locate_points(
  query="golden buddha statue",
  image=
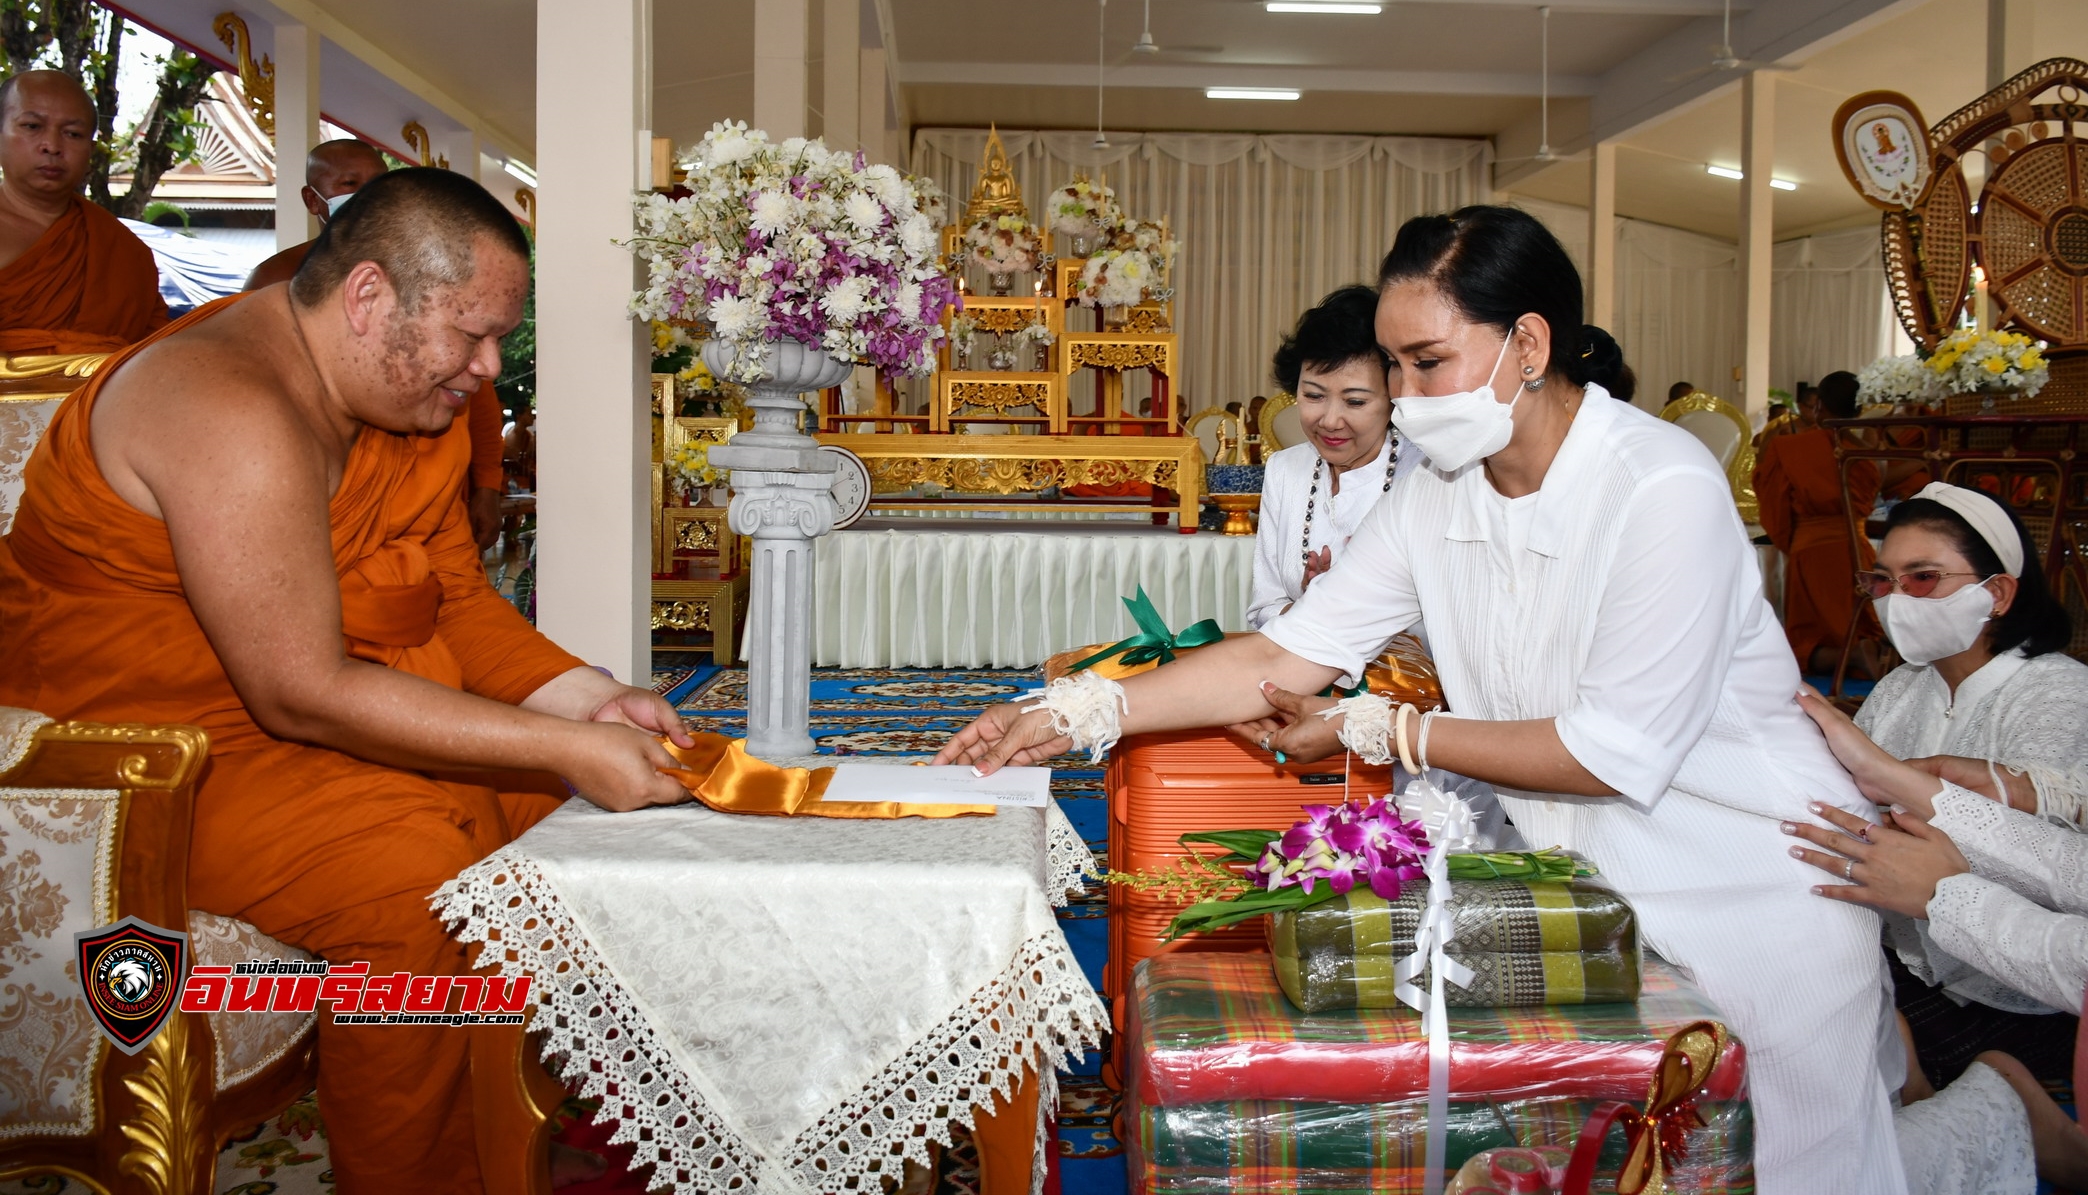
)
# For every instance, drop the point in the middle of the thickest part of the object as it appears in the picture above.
(996, 193)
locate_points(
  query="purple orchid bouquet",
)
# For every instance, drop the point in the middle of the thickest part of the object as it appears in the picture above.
(794, 241)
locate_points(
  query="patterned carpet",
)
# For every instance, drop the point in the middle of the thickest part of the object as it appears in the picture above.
(876, 711)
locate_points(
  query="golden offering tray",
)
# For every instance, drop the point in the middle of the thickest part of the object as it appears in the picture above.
(1025, 464)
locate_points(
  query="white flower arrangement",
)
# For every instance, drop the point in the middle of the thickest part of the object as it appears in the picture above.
(795, 242)
(1904, 379)
(1969, 361)
(1136, 261)
(934, 201)
(1005, 244)
(1083, 209)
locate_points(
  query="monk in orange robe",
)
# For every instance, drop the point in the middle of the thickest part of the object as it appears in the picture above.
(1799, 485)
(73, 279)
(334, 170)
(253, 523)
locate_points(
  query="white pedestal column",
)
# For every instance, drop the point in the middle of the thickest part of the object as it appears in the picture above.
(1757, 234)
(781, 496)
(594, 385)
(296, 129)
(1602, 235)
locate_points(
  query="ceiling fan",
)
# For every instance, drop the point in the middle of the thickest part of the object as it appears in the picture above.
(1724, 59)
(1545, 153)
(1146, 46)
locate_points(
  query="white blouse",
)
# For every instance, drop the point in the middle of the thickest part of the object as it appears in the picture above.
(2021, 914)
(2024, 713)
(1279, 564)
(1623, 601)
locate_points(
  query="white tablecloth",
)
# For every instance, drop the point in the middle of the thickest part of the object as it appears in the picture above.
(937, 596)
(789, 1003)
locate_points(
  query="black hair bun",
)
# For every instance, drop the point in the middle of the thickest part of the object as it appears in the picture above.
(1600, 360)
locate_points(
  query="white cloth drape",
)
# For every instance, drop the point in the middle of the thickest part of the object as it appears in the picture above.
(1011, 599)
(1678, 303)
(1268, 224)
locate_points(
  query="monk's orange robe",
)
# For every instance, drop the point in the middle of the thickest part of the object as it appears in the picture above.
(88, 285)
(1799, 485)
(484, 421)
(315, 847)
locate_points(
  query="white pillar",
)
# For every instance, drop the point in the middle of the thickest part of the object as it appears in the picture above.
(870, 106)
(1602, 235)
(842, 24)
(296, 129)
(594, 564)
(2010, 27)
(1757, 235)
(781, 77)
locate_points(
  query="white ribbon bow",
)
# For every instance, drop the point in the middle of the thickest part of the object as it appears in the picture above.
(1451, 827)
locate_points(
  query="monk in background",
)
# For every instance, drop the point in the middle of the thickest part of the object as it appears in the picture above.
(252, 523)
(335, 170)
(1799, 485)
(73, 279)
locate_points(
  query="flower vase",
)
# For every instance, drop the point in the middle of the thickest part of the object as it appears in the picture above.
(1082, 245)
(1001, 283)
(1000, 360)
(1114, 318)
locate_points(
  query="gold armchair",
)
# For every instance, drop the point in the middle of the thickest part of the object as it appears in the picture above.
(94, 827)
(1723, 429)
(31, 387)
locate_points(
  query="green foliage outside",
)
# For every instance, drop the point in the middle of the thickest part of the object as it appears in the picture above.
(517, 383)
(85, 41)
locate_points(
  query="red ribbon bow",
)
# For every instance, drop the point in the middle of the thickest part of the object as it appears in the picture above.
(1657, 1138)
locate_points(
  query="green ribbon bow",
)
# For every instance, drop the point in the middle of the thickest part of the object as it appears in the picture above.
(1153, 641)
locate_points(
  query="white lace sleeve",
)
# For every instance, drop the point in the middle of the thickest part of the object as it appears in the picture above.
(2047, 864)
(2039, 953)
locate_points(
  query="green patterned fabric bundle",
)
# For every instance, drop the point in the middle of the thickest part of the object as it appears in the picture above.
(1529, 942)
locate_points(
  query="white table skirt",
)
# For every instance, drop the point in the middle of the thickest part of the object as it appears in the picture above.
(937, 597)
(789, 1005)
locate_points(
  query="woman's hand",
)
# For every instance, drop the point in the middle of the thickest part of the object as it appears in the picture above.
(1879, 776)
(1973, 774)
(1315, 564)
(1304, 736)
(1894, 865)
(1004, 735)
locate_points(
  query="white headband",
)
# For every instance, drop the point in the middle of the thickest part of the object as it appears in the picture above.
(1986, 516)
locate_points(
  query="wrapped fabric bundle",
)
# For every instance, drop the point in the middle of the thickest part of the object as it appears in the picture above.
(1529, 942)
(1231, 1089)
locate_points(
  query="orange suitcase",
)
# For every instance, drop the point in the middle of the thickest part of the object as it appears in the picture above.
(1162, 786)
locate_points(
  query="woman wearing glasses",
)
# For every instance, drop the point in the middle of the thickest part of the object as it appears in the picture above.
(1612, 669)
(1988, 700)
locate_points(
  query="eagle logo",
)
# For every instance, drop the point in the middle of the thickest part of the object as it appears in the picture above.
(129, 973)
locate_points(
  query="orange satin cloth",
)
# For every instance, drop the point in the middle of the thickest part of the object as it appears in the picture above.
(88, 285)
(720, 773)
(320, 849)
(485, 421)
(1798, 484)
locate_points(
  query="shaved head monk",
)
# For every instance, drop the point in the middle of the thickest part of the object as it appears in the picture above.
(334, 171)
(73, 279)
(252, 523)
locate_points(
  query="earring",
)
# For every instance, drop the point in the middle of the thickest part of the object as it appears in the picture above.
(1528, 370)
(1535, 384)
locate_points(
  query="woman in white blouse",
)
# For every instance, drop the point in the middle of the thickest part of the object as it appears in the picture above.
(1314, 494)
(1987, 699)
(2001, 889)
(1613, 670)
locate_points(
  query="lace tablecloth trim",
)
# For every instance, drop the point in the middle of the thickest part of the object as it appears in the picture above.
(1038, 1012)
(1069, 857)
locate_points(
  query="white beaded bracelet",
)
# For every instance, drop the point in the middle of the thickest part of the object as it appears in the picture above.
(1366, 727)
(1084, 707)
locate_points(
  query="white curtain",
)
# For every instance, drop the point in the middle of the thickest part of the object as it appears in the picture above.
(1678, 303)
(1268, 224)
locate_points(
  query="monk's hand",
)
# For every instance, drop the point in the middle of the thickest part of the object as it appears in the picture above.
(2016, 789)
(484, 509)
(1892, 865)
(643, 709)
(1001, 736)
(621, 768)
(1879, 776)
(1305, 735)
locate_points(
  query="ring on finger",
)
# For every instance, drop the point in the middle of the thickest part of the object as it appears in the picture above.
(1265, 741)
(1863, 832)
(1849, 870)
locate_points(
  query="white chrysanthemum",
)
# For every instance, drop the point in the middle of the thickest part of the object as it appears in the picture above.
(732, 316)
(729, 142)
(865, 212)
(908, 300)
(845, 301)
(774, 211)
(917, 235)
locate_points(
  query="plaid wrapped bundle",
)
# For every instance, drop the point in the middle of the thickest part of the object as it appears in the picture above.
(1529, 942)
(1231, 1088)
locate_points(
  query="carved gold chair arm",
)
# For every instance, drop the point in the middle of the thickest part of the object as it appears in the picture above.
(127, 756)
(46, 375)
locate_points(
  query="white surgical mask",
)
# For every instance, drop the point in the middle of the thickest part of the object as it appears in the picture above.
(333, 206)
(1454, 430)
(1929, 629)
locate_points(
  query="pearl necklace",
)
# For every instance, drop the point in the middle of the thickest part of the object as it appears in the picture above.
(1319, 467)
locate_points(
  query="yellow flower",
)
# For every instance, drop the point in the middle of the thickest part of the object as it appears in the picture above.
(1997, 365)
(2031, 359)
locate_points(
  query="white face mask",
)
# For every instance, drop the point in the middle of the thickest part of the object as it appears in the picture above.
(1929, 629)
(333, 206)
(1454, 430)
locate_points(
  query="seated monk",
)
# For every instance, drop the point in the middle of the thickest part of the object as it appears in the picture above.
(252, 523)
(334, 170)
(73, 279)
(1799, 485)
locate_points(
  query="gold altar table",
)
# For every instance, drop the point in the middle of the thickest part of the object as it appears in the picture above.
(1025, 464)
